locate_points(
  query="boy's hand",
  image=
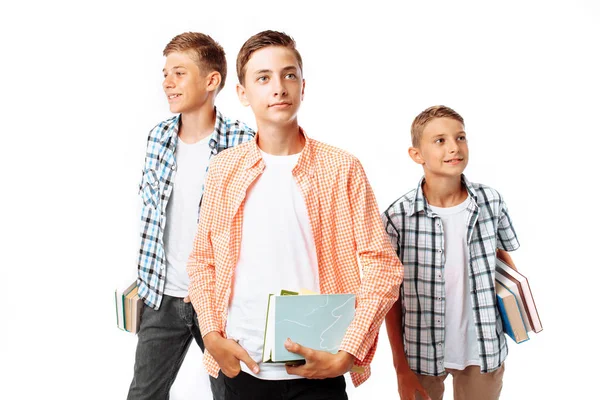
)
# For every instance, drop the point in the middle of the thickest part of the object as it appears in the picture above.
(409, 386)
(319, 364)
(228, 354)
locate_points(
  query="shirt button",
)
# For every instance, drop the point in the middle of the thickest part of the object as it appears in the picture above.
(439, 298)
(440, 250)
(173, 166)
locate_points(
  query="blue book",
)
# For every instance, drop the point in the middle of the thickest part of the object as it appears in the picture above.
(317, 321)
(512, 319)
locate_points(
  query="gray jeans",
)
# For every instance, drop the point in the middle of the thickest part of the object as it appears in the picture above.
(163, 341)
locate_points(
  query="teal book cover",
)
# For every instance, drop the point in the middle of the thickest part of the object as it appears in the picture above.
(315, 321)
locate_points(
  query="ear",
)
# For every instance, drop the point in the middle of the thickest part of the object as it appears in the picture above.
(303, 85)
(241, 92)
(213, 81)
(415, 154)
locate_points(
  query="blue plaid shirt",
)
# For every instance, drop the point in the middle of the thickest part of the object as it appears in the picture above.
(417, 235)
(155, 189)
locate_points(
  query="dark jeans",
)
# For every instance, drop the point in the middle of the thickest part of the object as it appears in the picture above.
(163, 341)
(247, 387)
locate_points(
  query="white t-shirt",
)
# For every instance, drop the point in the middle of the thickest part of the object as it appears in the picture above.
(182, 212)
(461, 349)
(277, 252)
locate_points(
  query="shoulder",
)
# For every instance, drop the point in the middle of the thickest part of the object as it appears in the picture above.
(332, 157)
(229, 126)
(238, 127)
(485, 193)
(402, 205)
(163, 127)
(231, 156)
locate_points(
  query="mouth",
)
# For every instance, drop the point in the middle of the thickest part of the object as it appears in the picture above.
(173, 96)
(453, 161)
(281, 104)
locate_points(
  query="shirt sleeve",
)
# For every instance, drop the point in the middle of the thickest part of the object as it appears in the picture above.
(201, 264)
(382, 270)
(505, 234)
(391, 231)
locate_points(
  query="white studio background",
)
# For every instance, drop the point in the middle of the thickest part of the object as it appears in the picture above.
(82, 88)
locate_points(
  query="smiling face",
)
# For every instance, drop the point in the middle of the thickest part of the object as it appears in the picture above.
(443, 149)
(187, 89)
(273, 86)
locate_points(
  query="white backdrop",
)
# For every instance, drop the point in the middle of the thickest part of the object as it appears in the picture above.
(82, 88)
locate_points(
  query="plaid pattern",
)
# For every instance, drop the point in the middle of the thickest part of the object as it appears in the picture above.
(417, 236)
(345, 224)
(155, 189)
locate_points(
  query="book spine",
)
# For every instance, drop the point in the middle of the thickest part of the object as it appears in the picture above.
(505, 321)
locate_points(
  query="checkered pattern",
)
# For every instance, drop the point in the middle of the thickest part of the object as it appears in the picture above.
(155, 189)
(345, 224)
(417, 236)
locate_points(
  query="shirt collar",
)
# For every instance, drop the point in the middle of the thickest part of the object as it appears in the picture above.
(304, 164)
(419, 202)
(172, 130)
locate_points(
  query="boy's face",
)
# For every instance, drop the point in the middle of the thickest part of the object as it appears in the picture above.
(443, 150)
(273, 85)
(184, 84)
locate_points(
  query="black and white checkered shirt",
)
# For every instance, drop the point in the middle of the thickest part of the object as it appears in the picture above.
(417, 235)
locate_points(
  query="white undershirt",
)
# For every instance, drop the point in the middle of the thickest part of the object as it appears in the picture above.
(277, 252)
(182, 212)
(461, 349)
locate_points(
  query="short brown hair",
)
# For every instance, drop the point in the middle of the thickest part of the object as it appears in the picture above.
(418, 125)
(262, 40)
(208, 54)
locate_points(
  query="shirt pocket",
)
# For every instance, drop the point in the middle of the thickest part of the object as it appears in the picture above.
(150, 190)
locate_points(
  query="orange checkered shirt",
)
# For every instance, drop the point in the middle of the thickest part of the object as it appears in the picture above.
(346, 226)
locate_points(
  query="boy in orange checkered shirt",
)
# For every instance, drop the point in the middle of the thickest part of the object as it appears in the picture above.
(286, 211)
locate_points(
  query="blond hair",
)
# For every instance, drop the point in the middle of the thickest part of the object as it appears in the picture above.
(207, 53)
(418, 125)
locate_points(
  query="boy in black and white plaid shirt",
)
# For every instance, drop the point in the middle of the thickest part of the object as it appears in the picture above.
(447, 232)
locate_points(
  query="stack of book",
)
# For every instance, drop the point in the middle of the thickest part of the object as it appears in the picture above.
(129, 308)
(515, 303)
(316, 321)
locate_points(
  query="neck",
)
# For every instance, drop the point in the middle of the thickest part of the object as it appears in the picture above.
(198, 124)
(280, 140)
(444, 191)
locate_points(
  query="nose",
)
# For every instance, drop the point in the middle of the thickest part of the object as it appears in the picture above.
(279, 88)
(168, 82)
(452, 146)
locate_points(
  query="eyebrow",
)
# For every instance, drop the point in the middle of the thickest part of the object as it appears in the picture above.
(268, 71)
(175, 67)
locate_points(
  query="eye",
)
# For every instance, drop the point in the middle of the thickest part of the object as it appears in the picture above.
(179, 73)
(262, 78)
(290, 76)
(439, 141)
(462, 138)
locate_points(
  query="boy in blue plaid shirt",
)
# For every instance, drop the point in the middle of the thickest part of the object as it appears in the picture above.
(447, 232)
(177, 157)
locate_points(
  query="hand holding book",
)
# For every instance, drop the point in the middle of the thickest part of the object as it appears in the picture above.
(319, 364)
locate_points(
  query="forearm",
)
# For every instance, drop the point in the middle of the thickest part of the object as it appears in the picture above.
(393, 324)
(382, 275)
(201, 290)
